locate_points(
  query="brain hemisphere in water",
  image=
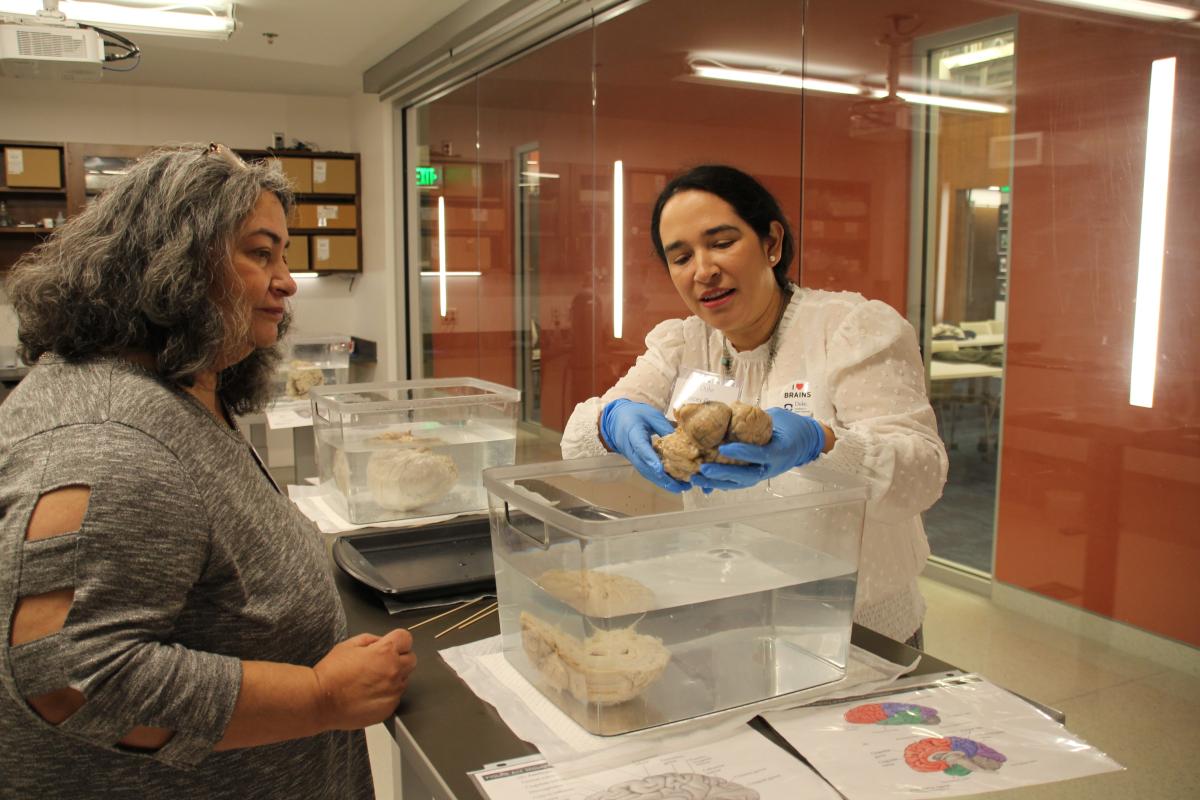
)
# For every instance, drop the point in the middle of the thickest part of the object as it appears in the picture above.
(952, 755)
(677, 786)
(702, 428)
(892, 714)
(301, 377)
(409, 478)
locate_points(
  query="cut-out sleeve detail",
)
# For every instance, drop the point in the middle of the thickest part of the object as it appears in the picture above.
(48, 564)
(38, 666)
(141, 550)
(58, 512)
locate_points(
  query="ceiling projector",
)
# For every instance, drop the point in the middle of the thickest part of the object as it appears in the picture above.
(55, 51)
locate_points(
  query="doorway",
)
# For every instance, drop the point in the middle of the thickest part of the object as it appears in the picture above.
(968, 195)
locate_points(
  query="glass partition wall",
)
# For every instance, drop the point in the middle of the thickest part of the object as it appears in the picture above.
(995, 171)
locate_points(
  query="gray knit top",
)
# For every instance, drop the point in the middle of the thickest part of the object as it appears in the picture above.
(188, 561)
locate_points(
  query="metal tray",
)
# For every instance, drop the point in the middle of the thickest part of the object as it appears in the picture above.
(429, 561)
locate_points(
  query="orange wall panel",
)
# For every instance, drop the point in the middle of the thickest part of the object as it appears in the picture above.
(1099, 500)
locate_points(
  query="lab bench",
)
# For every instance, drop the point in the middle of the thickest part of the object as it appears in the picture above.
(442, 730)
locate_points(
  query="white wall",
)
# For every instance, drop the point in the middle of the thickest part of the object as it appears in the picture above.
(109, 113)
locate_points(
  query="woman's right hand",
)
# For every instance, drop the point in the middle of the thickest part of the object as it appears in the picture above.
(626, 427)
(362, 679)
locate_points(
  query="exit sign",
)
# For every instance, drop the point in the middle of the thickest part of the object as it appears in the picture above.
(428, 176)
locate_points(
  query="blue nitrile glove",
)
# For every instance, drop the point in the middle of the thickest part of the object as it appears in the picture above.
(626, 426)
(795, 441)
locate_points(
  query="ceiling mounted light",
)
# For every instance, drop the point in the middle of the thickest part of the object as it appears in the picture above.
(784, 80)
(1133, 8)
(210, 19)
(948, 101)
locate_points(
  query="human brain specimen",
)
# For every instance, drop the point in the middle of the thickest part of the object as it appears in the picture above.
(705, 423)
(302, 376)
(606, 668)
(597, 594)
(677, 786)
(408, 478)
(702, 428)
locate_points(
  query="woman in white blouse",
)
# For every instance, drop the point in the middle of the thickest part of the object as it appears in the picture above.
(841, 377)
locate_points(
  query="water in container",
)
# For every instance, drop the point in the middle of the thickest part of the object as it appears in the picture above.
(628, 614)
(392, 451)
(312, 361)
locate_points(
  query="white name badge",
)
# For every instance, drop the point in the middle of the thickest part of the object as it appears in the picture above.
(796, 397)
(699, 386)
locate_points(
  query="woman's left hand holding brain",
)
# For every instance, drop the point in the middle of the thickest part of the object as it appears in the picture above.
(795, 441)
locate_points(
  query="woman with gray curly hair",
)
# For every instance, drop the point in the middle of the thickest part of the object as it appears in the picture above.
(171, 628)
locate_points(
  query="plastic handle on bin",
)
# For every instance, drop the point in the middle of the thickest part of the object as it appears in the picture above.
(542, 541)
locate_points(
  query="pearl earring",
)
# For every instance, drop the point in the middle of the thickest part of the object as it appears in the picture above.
(771, 259)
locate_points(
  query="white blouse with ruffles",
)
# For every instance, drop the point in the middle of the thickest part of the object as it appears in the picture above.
(861, 364)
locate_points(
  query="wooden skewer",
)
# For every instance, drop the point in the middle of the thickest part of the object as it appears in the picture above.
(458, 607)
(478, 615)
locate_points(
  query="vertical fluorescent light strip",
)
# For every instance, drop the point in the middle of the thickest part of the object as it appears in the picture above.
(442, 252)
(618, 248)
(1154, 230)
(943, 246)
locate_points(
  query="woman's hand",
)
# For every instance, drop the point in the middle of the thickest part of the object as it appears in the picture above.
(362, 679)
(626, 427)
(795, 441)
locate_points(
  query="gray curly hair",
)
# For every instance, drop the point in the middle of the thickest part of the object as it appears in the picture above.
(147, 268)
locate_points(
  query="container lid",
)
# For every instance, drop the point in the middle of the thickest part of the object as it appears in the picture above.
(428, 393)
(605, 496)
(337, 340)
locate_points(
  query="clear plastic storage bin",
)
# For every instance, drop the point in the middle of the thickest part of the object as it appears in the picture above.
(389, 451)
(313, 361)
(630, 607)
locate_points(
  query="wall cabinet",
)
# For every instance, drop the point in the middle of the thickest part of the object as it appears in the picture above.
(32, 190)
(326, 224)
(42, 181)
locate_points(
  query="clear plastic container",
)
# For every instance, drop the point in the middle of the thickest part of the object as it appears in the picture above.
(630, 607)
(312, 361)
(389, 451)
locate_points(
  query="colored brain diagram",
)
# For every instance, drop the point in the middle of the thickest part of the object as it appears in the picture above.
(961, 736)
(952, 755)
(892, 714)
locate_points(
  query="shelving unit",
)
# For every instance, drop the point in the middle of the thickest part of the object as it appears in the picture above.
(326, 230)
(91, 166)
(29, 204)
(326, 226)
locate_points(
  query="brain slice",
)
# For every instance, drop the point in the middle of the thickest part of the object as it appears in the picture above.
(677, 786)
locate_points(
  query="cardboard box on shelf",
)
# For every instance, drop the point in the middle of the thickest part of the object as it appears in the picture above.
(334, 252)
(33, 167)
(343, 216)
(298, 172)
(333, 176)
(297, 254)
